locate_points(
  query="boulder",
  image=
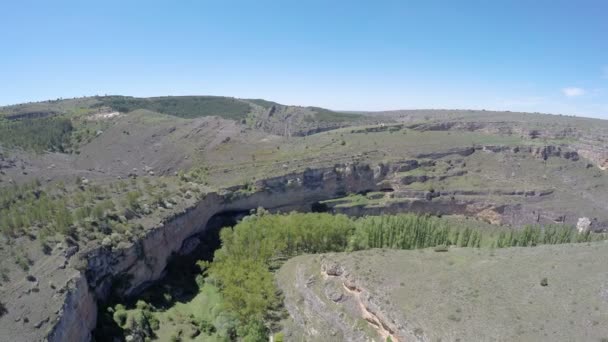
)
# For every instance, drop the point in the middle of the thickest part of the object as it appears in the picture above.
(583, 225)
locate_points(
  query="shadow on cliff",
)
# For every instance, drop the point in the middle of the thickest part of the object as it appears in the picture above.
(179, 283)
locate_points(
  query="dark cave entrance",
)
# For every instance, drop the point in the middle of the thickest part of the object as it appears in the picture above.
(318, 207)
(179, 282)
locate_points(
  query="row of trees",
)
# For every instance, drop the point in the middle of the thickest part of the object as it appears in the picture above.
(255, 246)
(535, 235)
(410, 232)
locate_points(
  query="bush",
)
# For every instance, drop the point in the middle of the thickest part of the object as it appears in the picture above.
(279, 337)
(206, 327)
(154, 323)
(255, 331)
(141, 305)
(120, 317)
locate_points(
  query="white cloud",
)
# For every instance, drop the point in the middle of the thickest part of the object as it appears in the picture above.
(573, 91)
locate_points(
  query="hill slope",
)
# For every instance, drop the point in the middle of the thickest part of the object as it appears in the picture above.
(464, 294)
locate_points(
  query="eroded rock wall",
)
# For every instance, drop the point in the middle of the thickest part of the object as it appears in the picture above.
(78, 314)
(125, 271)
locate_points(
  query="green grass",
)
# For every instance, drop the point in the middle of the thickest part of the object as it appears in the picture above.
(470, 294)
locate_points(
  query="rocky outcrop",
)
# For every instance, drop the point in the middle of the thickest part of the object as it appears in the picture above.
(460, 151)
(588, 144)
(553, 151)
(594, 151)
(379, 128)
(78, 315)
(583, 225)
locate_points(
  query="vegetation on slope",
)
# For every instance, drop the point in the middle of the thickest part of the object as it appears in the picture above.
(81, 210)
(45, 134)
(182, 106)
(262, 103)
(329, 116)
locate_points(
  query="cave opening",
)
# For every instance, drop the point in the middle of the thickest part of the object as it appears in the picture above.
(318, 207)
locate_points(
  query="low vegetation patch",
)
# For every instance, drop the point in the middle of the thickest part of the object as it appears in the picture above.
(182, 106)
(326, 115)
(81, 210)
(45, 134)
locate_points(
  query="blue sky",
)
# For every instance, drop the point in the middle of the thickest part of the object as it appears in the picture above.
(547, 56)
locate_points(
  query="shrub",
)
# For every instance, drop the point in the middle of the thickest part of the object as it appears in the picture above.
(206, 327)
(255, 331)
(4, 274)
(141, 305)
(120, 317)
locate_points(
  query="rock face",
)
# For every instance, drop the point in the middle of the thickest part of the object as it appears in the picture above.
(313, 297)
(125, 271)
(588, 144)
(78, 314)
(145, 261)
(591, 150)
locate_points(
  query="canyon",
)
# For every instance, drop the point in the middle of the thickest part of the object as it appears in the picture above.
(124, 272)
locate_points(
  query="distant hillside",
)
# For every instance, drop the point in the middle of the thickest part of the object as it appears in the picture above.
(182, 106)
(268, 116)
